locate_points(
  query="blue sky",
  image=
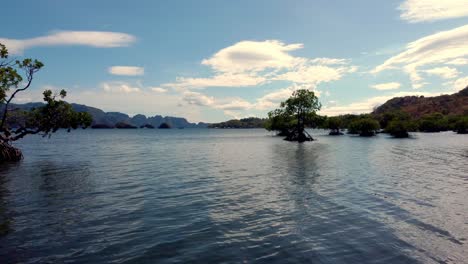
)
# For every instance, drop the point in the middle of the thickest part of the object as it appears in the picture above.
(216, 60)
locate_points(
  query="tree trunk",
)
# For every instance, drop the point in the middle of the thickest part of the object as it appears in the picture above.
(298, 133)
(9, 153)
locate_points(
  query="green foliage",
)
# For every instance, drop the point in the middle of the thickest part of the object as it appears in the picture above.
(435, 122)
(334, 123)
(44, 120)
(385, 118)
(9, 72)
(47, 119)
(294, 114)
(399, 128)
(365, 127)
(461, 125)
(301, 103)
(397, 123)
(279, 120)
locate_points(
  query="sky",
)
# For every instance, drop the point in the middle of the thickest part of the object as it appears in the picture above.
(214, 60)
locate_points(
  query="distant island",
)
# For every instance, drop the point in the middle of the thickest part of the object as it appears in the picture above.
(418, 108)
(102, 120)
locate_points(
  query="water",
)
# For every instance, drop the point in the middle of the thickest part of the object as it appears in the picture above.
(235, 196)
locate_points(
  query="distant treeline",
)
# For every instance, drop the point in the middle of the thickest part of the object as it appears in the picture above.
(397, 123)
(250, 122)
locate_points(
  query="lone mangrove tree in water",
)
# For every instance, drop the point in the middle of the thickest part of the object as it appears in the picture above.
(293, 115)
(45, 120)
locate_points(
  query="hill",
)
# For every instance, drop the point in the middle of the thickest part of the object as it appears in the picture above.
(111, 119)
(250, 122)
(418, 106)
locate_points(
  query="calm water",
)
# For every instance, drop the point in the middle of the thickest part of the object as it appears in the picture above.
(234, 196)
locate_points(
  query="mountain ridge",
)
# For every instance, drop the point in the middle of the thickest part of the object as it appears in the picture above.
(418, 106)
(110, 119)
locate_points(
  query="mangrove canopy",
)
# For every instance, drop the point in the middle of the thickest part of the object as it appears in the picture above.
(294, 114)
(15, 77)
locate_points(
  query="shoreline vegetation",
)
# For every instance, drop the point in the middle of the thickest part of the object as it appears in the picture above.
(397, 117)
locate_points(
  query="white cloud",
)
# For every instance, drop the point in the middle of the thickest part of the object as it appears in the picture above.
(119, 87)
(199, 99)
(443, 72)
(460, 84)
(253, 63)
(253, 56)
(228, 104)
(232, 114)
(158, 89)
(330, 61)
(415, 11)
(221, 80)
(313, 74)
(100, 39)
(458, 61)
(439, 48)
(234, 104)
(126, 70)
(273, 99)
(386, 86)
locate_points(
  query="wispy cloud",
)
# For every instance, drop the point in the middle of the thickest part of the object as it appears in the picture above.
(221, 80)
(158, 90)
(386, 86)
(443, 72)
(458, 61)
(415, 11)
(268, 101)
(198, 99)
(253, 63)
(100, 39)
(119, 87)
(439, 48)
(126, 70)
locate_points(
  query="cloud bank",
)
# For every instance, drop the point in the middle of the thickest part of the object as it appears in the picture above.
(415, 11)
(446, 47)
(253, 63)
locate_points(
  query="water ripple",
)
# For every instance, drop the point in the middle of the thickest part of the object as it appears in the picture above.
(234, 196)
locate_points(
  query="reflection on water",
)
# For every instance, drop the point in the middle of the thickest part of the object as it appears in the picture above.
(208, 196)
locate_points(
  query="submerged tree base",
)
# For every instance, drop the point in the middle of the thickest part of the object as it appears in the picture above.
(367, 134)
(298, 136)
(9, 153)
(400, 134)
(335, 133)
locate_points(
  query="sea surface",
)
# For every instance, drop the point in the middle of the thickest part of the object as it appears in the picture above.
(235, 196)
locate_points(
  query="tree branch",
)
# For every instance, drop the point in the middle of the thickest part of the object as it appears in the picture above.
(22, 132)
(5, 111)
